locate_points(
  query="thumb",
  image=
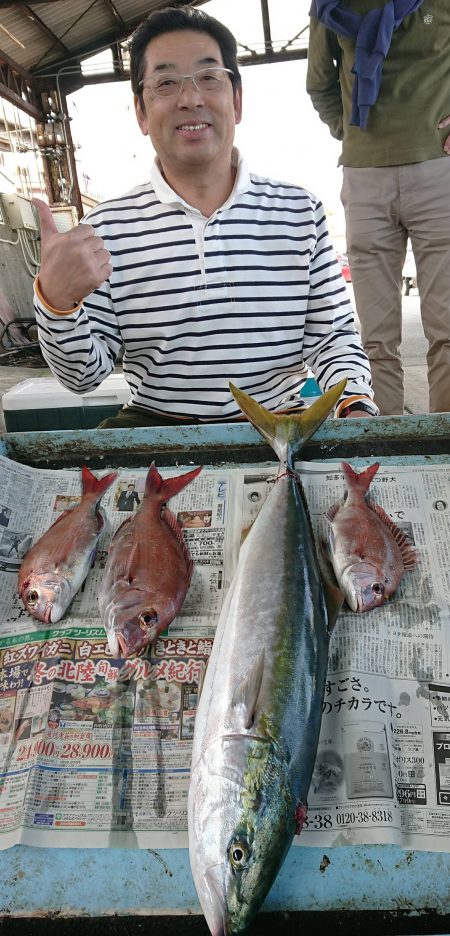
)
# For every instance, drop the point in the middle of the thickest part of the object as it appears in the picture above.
(47, 221)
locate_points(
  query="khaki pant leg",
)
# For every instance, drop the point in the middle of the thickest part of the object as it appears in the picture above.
(376, 246)
(425, 208)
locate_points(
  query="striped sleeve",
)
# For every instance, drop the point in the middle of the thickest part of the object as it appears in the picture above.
(252, 295)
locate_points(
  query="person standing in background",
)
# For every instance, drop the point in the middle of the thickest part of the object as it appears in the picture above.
(379, 77)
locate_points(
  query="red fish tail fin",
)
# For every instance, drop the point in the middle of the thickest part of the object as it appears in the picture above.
(93, 485)
(167, 488)
(359, 482)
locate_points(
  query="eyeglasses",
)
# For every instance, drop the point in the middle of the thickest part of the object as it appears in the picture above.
(169, 84)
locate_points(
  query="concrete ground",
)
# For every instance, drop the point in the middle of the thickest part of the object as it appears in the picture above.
(414, 349)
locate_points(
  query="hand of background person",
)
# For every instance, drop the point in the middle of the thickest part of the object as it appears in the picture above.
(446, 144)
(73, 263)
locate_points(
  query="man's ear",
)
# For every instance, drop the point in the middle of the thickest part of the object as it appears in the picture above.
(140, 113)
(238, 105)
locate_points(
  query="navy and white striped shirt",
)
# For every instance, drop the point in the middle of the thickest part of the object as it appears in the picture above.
(252, 295)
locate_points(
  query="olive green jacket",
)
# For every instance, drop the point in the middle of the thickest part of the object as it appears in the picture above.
(414, 93)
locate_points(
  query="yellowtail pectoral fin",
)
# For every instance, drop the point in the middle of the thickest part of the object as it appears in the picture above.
(201, 680)
(246, 693)
(334, 597)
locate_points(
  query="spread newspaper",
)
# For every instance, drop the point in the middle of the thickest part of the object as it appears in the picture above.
(95, 751)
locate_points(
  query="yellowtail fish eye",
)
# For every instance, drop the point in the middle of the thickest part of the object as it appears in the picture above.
(238, 854)
(32, 597)
(147, 619)
(378, 589)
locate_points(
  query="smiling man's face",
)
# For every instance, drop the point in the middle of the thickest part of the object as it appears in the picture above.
(192, 130)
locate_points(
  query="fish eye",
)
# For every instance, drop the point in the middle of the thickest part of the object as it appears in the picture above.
(33, 596)
(147, 619)
(238, 854)
(378, 589)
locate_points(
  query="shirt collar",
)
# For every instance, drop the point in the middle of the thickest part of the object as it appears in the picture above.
(167, 196)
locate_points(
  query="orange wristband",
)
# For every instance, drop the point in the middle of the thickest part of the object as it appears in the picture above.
(50, 308)
(348, 401)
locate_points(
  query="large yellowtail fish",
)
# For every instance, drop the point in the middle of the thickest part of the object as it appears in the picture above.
(57, 565)
(258, 720)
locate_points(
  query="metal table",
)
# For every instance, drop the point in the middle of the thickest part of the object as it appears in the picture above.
(373, 889)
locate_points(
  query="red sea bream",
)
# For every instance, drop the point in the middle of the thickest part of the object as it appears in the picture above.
(148, 570)
(368, 551)
(57, 565)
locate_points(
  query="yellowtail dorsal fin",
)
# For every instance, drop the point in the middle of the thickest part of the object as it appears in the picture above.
(287, 434)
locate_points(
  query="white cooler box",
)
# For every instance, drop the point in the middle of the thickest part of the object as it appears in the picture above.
(43, 403)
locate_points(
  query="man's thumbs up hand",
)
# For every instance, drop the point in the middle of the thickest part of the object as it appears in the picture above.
(47, 221)
(73, 264)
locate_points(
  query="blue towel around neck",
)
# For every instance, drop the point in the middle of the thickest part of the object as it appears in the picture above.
(373, 33)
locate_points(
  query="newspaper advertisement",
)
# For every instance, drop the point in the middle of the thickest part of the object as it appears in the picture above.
(95, 751)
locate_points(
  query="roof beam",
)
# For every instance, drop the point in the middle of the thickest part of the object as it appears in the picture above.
(290, 42)
(31, 15)
(266, 25)
(112, 7)
(272, 54)
(20, 3)
(58, 40)
(271, 57)
(16, 86)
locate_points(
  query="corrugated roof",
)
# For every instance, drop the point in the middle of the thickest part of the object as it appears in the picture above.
(45, 38)
(42, 37)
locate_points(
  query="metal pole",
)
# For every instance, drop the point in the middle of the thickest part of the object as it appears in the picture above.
(266, 25)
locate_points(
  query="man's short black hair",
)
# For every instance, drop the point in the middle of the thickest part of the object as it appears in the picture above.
(172, 19)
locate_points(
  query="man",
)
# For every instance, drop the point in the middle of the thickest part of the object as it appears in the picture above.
(379, 76)
(5, 514)
(208, 273)
(13, 545)
(129, 498)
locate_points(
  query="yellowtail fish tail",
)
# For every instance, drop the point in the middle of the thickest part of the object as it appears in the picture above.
(287, 434)
(156, 486)
(359, 483)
